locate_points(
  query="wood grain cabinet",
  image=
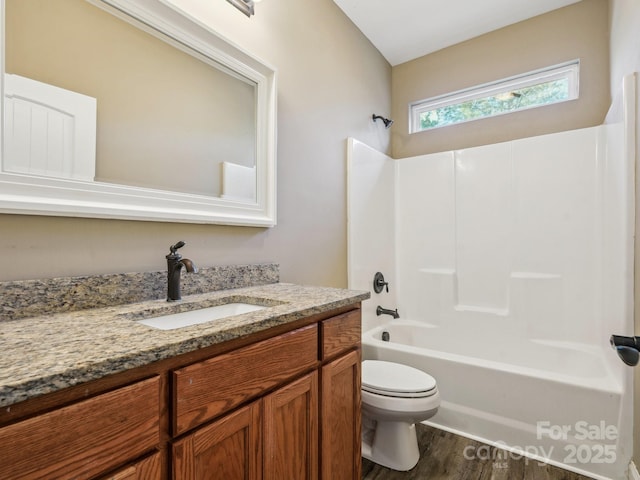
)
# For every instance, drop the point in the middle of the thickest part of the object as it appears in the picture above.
(230, 448)
(205, 390)
(281, 405)
(84, 439)
(149, 468)
(274, 437)
(291, 430)
(341, 398)
(341, 423)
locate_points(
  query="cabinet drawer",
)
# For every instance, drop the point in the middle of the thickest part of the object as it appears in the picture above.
(206, 389)
(341, 333)
(85, 438)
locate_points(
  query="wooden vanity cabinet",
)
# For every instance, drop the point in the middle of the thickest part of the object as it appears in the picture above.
(261, 407)
(308, 428)
(282, 424)
(207, 389)
(274, 437)
(341, 398)
(86, 438)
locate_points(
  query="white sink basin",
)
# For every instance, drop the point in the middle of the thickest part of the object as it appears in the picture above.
(203, 315)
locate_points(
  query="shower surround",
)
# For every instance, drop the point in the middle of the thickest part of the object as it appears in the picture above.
(510, 265)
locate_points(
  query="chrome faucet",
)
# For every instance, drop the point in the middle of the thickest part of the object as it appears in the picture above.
(385, 311)
(175, 262)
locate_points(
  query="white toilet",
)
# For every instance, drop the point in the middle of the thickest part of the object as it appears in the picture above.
(394, 398)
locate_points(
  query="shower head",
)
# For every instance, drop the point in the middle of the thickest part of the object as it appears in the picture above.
(627, 348)
(387, 121)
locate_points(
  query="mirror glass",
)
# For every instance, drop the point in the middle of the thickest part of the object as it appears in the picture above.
(99, 95)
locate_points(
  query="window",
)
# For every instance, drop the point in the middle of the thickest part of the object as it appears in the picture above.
(529, 90)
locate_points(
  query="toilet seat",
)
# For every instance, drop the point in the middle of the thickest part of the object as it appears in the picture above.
(395, 380)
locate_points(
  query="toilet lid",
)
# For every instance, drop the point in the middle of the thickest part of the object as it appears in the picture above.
(396, 380)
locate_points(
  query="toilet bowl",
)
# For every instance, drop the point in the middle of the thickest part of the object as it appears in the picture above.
(394, 398)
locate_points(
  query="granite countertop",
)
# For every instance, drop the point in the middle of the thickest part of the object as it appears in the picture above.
(46, 353)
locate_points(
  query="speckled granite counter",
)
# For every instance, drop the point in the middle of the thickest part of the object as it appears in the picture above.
(42, 354)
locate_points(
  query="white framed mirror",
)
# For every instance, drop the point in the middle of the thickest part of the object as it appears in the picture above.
(203, 150)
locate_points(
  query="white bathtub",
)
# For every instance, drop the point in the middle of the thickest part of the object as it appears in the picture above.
(540, 398)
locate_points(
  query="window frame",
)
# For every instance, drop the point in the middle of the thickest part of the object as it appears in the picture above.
(568, 70)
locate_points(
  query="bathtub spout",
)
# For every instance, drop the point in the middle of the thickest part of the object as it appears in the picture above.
(385, 311)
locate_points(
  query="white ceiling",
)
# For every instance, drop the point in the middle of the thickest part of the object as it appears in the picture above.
(406, 29)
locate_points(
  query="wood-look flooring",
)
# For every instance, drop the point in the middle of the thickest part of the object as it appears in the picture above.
(442, 457)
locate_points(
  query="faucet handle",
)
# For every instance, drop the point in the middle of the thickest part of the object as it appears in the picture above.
(379, 283)
(175, 247)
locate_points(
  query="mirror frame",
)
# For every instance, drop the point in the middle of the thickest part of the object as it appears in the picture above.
(34, 195)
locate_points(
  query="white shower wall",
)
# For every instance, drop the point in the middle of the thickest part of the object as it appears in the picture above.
(530, 238)
(511, 235)
(371, 216)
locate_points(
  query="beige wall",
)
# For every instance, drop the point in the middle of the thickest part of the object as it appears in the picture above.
(577, 31)
(625, 58)
(330, 81)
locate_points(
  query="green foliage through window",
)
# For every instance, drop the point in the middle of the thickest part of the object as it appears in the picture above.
(534, 96)
(535, 89)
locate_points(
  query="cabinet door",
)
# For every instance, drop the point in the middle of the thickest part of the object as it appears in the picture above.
(291, 431)
(149, 468)
(341, 434)
(228, 449)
